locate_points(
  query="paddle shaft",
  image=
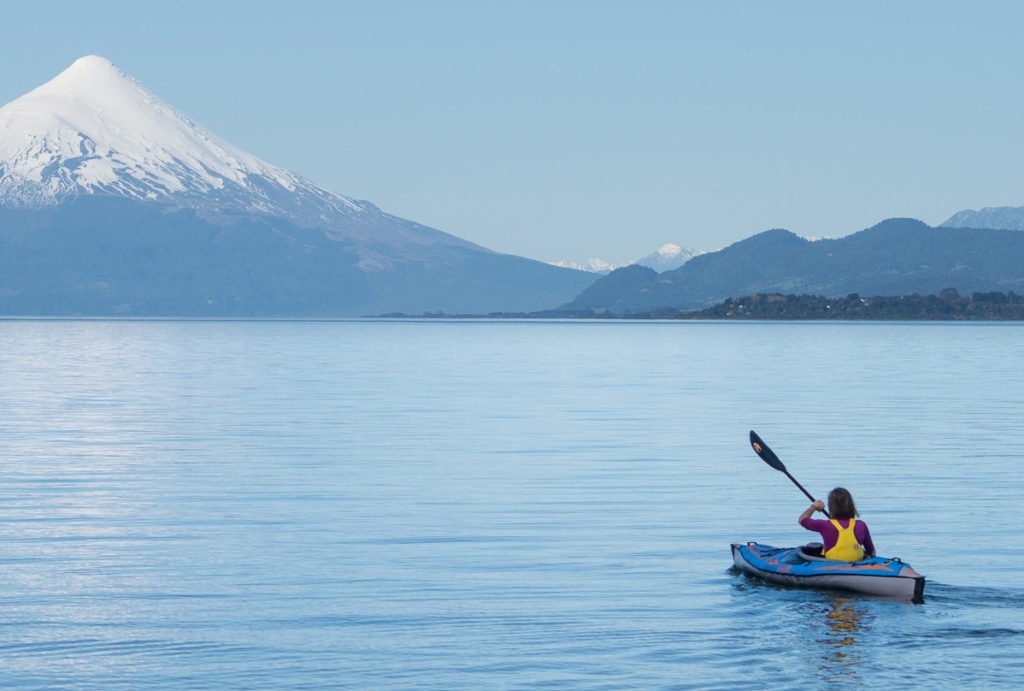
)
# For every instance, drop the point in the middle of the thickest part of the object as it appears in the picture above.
(765, 453)
(795, 482)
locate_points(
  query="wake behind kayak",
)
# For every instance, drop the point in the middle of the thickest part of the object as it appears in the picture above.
(793, 567)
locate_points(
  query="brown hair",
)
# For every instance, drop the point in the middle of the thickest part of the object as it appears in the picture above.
(840, 504)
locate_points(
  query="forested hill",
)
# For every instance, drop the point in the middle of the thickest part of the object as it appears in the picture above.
(896, 257)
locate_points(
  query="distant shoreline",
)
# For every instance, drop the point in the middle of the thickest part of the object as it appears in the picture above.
(948, 305)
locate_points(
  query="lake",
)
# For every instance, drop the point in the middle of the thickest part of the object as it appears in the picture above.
(499, 504)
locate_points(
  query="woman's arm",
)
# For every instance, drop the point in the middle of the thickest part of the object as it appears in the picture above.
(868, 544)
(818, 505)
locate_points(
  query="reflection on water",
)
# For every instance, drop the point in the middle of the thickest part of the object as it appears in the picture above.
(827, 631)
(845, 620)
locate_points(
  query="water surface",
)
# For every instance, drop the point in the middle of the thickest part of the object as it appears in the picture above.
(498, 504)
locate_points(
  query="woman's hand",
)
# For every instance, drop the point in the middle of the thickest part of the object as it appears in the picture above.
(818, 505)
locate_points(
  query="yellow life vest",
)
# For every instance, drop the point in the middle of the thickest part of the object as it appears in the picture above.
(846, 548)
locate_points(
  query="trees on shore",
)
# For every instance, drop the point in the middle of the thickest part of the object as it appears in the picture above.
(947, 305)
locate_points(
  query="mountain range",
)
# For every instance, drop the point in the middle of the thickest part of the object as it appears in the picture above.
(667, 257)
(896, 257)
(112, 202)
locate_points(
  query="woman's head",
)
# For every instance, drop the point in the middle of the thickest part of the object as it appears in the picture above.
(840, 504)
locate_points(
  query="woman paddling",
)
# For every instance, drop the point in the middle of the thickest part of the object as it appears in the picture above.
(844, 537)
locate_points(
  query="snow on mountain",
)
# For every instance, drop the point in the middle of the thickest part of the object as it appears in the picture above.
(999, 217)
(668, 257)
(95, 130)
(114, 202)
(591, 265)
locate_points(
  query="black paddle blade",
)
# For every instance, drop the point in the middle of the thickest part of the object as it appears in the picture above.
(765, 453)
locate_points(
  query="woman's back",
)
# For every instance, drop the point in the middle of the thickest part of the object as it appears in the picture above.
(844, 537)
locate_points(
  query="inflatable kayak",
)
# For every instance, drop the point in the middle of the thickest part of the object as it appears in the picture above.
(795, 566)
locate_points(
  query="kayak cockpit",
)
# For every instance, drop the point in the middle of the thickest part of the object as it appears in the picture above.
(814, 551)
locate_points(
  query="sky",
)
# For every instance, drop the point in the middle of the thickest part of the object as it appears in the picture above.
(569, 129)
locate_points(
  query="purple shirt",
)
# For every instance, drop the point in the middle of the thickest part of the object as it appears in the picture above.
(829, 534)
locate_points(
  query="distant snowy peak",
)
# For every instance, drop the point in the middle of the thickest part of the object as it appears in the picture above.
(998, 217)
(591, 265)
(668, 257)
(95, 130)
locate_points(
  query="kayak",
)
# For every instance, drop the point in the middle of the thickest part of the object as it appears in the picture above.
(888, 577)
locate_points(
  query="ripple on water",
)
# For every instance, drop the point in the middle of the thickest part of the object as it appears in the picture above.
(399, 505)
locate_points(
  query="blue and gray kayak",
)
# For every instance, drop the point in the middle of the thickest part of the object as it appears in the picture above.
(798, 567)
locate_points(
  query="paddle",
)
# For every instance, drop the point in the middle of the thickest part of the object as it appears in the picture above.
(769, 457)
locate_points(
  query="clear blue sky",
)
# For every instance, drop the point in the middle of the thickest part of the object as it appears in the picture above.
(571, 129)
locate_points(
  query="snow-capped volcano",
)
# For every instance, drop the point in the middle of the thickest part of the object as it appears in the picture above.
(95, 130)
(112, 202)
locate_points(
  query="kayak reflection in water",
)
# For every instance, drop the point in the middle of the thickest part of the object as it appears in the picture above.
(843, 536)
(841, 652)
(843, 621)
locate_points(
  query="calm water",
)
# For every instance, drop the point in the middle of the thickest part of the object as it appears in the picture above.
(498, 505)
